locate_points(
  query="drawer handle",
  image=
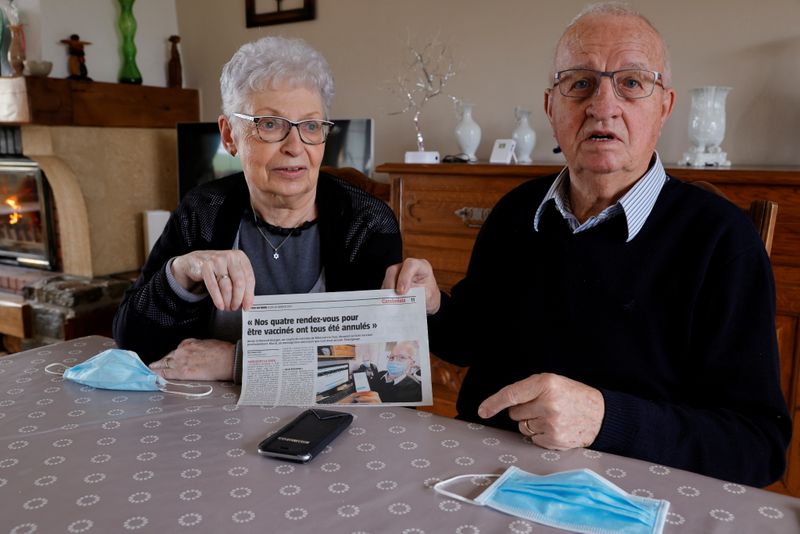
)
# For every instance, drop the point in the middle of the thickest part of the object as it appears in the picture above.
(473, 217)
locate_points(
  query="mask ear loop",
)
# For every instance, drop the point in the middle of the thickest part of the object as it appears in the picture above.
(439, 488)
(61, 373)
(162, 386)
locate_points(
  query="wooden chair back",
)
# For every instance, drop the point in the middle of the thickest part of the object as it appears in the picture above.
(361, 180)
(763, 213)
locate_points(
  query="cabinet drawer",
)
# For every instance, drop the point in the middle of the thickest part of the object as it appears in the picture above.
(449, 265)
(446, 379)
(450, 207)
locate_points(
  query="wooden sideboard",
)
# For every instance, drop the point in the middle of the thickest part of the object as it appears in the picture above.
(440, 208)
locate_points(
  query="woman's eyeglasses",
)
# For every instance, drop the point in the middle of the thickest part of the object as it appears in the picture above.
(275, 129)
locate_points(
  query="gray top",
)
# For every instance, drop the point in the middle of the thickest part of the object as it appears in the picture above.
(76, 459)
(298, 268)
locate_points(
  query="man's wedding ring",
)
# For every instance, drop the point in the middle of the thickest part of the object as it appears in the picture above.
(168, 366)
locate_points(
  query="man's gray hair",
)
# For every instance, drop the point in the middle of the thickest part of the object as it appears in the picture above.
(413, 344)
(622, 9)
(272, 61)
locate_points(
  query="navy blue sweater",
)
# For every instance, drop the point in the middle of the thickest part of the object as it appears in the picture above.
(676, 328)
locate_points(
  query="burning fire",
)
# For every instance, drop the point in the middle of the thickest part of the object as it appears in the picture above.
(14, 217)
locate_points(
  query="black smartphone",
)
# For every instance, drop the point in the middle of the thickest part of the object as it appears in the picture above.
(306, 436)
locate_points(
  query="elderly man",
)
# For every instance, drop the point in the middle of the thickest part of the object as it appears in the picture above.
(612, 306)
(398, 382)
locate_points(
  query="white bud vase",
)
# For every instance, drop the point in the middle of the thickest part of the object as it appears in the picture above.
(468, 133)
(524, 135)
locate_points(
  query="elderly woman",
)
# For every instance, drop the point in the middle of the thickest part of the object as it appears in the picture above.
(279, 227)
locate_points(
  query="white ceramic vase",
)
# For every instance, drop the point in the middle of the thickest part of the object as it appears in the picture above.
(468, 132)
(524, 135)
(707, 127)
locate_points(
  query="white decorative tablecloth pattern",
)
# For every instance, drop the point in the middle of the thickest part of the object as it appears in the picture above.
(75, 459)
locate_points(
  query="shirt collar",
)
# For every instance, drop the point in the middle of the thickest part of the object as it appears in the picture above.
(393, 381)
(636, 204)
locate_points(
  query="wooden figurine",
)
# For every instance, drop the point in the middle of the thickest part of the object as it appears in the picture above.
(175, 69)
(77, 58)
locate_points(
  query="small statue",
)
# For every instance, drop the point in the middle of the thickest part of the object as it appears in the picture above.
(77, 58)
(174, 68)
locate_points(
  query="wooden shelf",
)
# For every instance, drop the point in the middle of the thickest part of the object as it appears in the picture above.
(60, 102)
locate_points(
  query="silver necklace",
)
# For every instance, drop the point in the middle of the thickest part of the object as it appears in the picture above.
(273, 247)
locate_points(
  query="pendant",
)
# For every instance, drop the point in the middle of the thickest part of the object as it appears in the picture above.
(276, 255)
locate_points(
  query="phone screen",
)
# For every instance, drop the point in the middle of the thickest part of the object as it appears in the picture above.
(361, 381)
(305, 436)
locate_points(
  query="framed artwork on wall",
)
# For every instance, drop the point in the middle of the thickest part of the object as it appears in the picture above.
(267, 12)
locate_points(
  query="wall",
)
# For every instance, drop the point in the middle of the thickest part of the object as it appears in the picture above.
(48, 21)
(504, 50)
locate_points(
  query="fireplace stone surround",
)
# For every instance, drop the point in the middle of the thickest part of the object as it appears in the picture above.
(108, 154)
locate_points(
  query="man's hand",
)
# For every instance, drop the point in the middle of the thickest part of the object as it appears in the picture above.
(556, 412)
(414, 273)
(197, 359)
(364, 397)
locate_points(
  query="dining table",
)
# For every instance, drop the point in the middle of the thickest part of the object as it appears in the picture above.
(77, 459)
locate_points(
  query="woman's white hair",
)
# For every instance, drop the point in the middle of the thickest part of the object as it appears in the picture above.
(272, 61)
(621, 9)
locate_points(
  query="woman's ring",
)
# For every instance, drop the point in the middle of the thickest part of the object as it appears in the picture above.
(222, 277)
(529, 429)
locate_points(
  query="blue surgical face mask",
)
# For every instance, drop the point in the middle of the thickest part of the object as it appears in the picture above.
(396, 368)
(579, 500)
(122, 370)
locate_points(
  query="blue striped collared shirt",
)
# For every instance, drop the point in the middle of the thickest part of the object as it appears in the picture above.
(635, 205)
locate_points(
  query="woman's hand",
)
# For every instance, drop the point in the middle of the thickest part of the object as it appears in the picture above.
(414, 273)
(227, 275)
(197, 359)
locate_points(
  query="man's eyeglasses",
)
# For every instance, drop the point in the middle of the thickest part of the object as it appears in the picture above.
(627, 83)
(275, 129)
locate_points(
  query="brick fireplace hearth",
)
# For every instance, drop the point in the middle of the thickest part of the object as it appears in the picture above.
(41, 307)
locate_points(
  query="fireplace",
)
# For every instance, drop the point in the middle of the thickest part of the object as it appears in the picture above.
(26, 223)
(84, 162)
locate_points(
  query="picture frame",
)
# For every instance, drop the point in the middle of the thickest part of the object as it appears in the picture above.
(279, 16)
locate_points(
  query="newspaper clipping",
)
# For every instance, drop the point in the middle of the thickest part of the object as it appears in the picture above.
(361, 348)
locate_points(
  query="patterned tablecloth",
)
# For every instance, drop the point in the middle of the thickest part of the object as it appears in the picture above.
(74, 459)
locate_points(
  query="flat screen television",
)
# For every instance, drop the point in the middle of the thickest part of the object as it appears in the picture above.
(201, 157)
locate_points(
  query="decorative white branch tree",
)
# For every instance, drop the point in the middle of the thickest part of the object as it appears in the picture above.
(424, 76)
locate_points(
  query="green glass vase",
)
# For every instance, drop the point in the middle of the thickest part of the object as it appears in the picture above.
(129, 73)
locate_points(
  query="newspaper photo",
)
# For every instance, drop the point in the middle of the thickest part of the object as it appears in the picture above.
(360, 348)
